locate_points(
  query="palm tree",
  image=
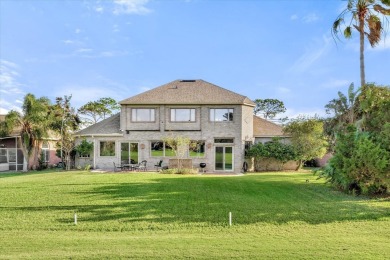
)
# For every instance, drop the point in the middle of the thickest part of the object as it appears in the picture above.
(32, 124)
(363, 17)
(344, 107)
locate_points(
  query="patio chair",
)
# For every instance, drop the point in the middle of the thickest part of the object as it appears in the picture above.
(158, 166)
(117, 167)
(141, 166)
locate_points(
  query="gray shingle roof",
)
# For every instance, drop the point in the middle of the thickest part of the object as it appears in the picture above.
(109, 125)
(265, 128)
(185, 92)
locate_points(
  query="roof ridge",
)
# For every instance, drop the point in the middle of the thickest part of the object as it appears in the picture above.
(224, 89)
(99, 124)
(192, 92)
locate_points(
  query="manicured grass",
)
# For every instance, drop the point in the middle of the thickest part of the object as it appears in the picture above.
(149, 215)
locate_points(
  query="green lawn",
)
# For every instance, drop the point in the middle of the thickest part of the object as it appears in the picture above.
(149, 215)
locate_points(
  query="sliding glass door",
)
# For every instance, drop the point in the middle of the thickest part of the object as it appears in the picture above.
(129, 153)
(224, 158)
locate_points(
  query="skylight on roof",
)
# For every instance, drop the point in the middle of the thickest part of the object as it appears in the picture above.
(188, 80)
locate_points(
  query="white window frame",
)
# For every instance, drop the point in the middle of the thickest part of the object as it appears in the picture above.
(192, 114)
(46, 151)
(213, 111)
(135, 111)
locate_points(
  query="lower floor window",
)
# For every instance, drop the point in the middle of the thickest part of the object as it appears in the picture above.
(197, 149)
(160, 149)
(107, 148)
(45, 152)
(3, 156)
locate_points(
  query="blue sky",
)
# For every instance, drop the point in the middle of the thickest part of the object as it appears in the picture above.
(260, 49)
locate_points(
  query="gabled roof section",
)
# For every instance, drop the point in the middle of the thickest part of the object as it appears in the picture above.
(108, 126)
(265, 128)
(188, 92)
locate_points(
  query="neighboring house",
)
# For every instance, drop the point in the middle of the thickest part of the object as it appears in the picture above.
(264, 130)
(218, 122)
(11, 156)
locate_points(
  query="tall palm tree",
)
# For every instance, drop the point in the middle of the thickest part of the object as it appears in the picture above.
(363, 16)
(32, 124)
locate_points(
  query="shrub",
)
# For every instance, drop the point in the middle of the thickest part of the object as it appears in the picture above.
(359, 165)
(274, 149)
(42, 164)
(85, 148)
(179, 171)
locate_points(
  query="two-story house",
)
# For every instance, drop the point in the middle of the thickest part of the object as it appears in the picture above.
(218, 122)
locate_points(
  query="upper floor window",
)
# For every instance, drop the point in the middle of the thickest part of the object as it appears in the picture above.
(143, 114)
(221, 114)
(182, 114)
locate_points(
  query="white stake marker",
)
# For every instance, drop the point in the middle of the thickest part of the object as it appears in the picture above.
(230, 218)
(75, 218)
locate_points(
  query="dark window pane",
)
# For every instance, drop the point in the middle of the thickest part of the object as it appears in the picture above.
(107, 148)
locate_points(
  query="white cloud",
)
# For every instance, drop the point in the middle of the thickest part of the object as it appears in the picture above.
(115, 28)
(97, 87)
(131, 7)
(310, 112)
(83, 50)
(3, 111)
(310, 18)
(312, 55)
(10, 87)
(336, 83)
(71, 42)
(99, 9)
(9, 78)
(104, 54)
(83, 94)
(77, 30)
(283, 90)
(7, 106)
(294, 17)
